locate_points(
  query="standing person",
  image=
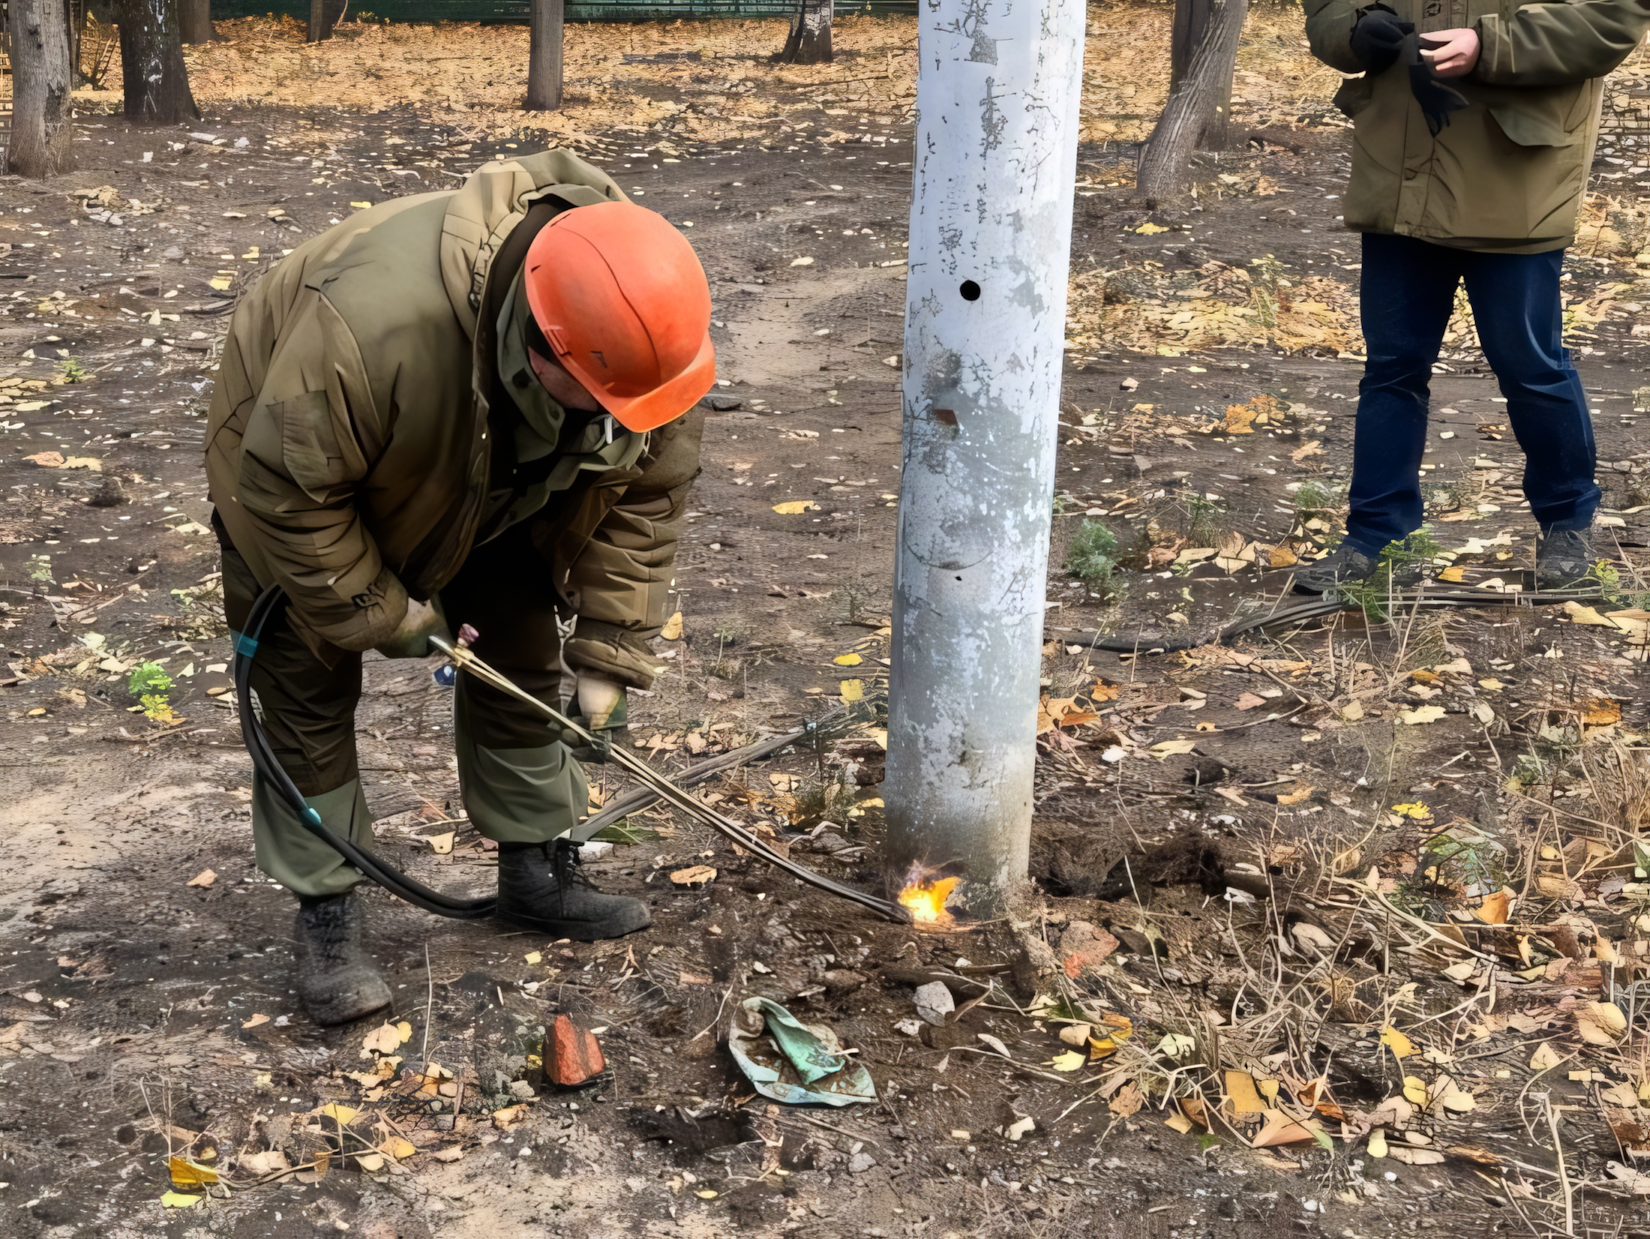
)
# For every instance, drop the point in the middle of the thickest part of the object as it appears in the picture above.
(1474, 126)
(465, 407)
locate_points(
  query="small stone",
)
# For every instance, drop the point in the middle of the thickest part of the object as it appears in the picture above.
(934, 1002)
(571, 1055)
(843, 980)
(859, 1163)
(523, 1091)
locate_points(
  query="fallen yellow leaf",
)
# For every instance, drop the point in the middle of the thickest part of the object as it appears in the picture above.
(851, 690)
(386, 1038)
(847, 660)
(1545, 1058)
(672, 631)
(1172, 748)
(795, 507)
(1496, 908)
(1415, 809)
(1279, 1128)
(1599, 711)
(1600, 1023)
(179, 1200)
(1400, 1045)
(187, 1175)
(1240, 1089)
(1071, 1060)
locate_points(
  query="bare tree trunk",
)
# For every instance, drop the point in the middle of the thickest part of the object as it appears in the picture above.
(74, 15)
(41, 128)
(809, 42)
(154, 78)
(1197, 111)
(544, 56)
(323, 16)
(195, 20)
(1191, 20)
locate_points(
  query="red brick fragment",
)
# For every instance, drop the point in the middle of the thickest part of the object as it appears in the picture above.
(1084, 946)
(571, 1055)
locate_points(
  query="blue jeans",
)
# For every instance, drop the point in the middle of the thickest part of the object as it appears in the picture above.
(1407, 298)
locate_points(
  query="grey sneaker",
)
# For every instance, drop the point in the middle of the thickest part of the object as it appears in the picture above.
(1564, 558)
(1341, 567)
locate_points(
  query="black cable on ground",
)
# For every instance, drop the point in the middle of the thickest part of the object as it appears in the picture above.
(268, 606)
(1312, 608)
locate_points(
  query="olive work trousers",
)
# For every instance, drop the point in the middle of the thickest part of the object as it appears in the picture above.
(518, 782)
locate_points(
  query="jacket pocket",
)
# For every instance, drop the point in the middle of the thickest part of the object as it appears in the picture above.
(1525, 128)
(1542, 116)
(1355, 94)
(317, 456)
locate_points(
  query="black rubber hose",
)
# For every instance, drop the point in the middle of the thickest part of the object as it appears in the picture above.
(268, 606)
(1308, 608)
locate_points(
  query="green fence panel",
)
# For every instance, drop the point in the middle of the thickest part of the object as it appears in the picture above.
(516, 10)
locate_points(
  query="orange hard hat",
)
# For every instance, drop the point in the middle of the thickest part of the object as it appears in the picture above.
(622, 301)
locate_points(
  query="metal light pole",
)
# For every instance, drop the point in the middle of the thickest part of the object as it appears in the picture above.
(996, 152)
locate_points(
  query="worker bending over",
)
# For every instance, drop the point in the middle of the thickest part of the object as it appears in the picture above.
(459, 408)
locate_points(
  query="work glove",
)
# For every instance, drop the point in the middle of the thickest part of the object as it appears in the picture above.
(1377, 39)
(412, 639)
(1436, 99)
(602, 712)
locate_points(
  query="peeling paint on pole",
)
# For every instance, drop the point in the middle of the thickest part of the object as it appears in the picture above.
(995, 159)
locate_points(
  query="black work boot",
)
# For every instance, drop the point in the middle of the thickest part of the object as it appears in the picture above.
(540, 887)
(1345, 565)
(1563, 558)
(337, 981)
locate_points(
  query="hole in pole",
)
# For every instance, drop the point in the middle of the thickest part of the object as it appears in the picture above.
(970, 290)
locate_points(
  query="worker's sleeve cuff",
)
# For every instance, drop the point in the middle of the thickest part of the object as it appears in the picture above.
(375, 614)
(614, 652)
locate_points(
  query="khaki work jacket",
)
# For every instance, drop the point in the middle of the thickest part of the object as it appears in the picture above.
(353, 422)
(1508, 171)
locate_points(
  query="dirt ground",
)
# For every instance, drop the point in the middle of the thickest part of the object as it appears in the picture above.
(1353, 911)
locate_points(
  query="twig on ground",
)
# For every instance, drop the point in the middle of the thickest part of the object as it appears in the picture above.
(429, 1007)
(1563, 1174)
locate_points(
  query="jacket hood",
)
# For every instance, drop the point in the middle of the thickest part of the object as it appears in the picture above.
(486, 209)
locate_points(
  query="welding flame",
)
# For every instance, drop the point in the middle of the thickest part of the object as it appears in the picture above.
(925, 898)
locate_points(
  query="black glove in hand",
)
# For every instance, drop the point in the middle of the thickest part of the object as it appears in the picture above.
(1377, 39)
(1436, 99)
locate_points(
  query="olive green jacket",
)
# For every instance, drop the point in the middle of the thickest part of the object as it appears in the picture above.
(353, 426)
(1508, 171)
